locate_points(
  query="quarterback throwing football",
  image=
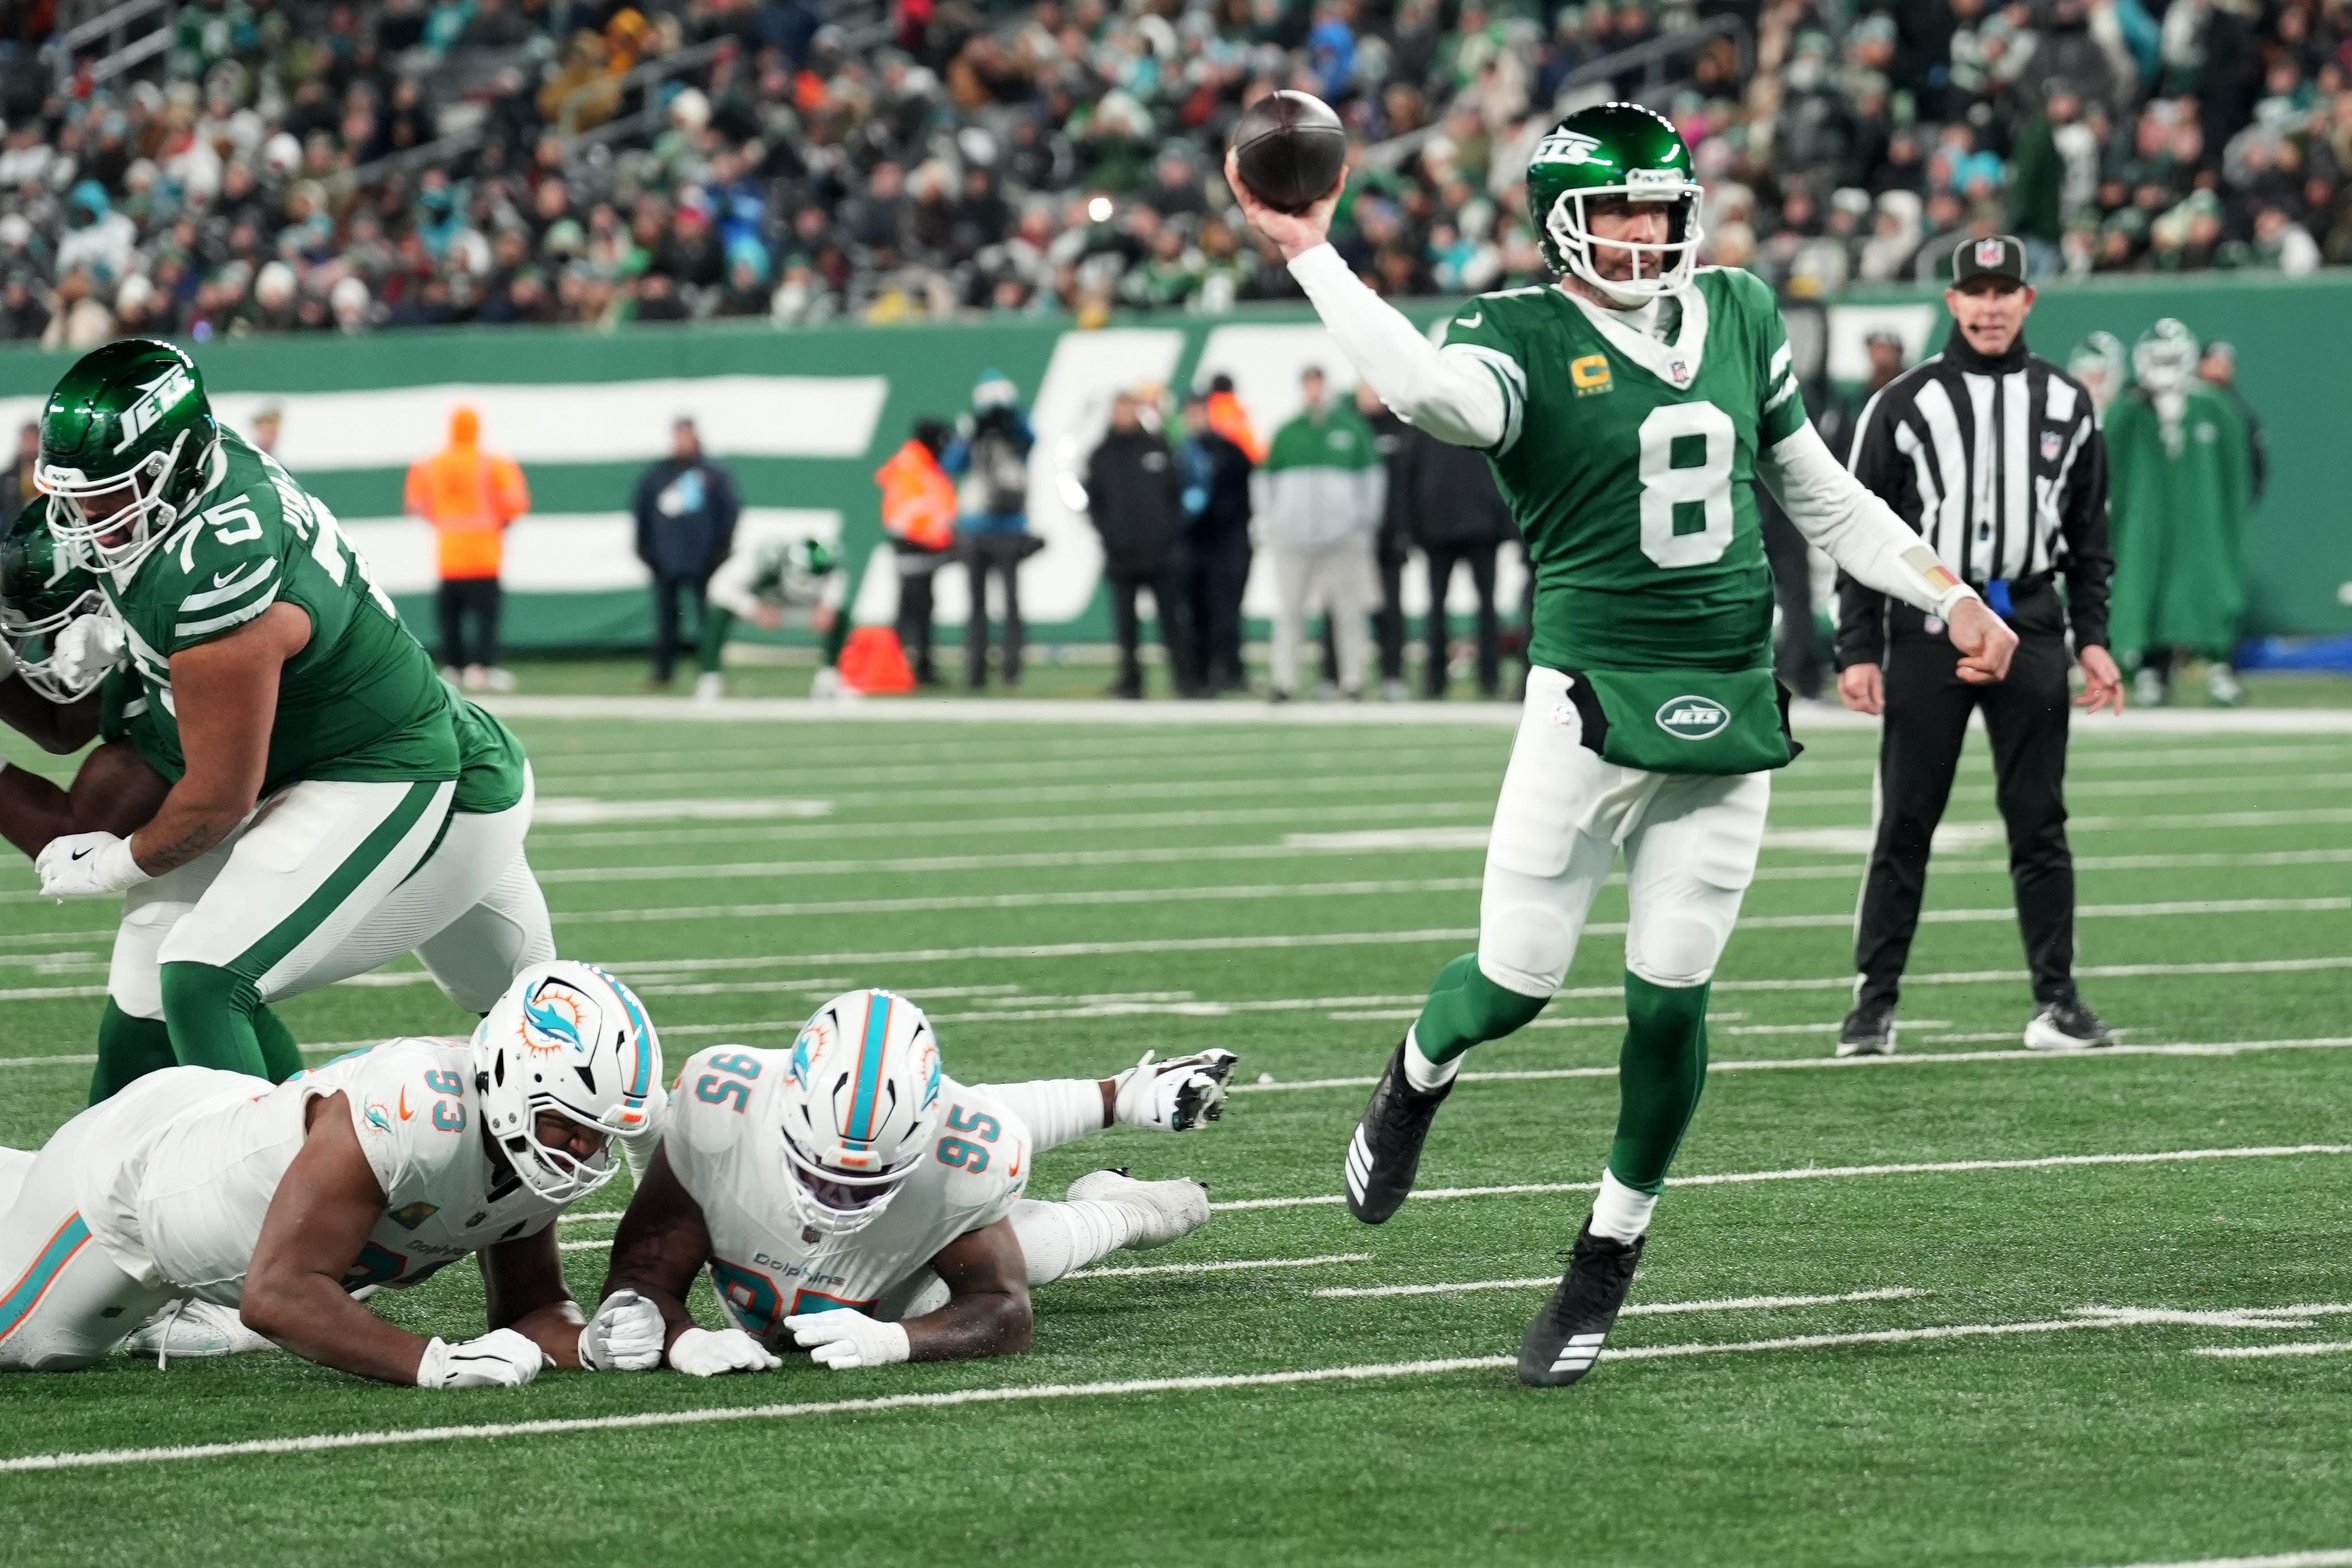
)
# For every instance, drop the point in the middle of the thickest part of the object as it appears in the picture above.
(1626, 409)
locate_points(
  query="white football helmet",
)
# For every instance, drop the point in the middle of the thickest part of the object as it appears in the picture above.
(859, 1106)
(572, 1039)
(2164, 358)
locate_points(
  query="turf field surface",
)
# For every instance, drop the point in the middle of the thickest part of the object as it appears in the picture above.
(1965, 1306)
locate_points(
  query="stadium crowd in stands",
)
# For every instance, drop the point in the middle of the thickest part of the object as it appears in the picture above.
(582, 161)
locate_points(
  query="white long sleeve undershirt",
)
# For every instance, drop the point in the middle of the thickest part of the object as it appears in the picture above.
(1454, 396)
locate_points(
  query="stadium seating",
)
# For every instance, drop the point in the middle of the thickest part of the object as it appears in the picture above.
(231, 167)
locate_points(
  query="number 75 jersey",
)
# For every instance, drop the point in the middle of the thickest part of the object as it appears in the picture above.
(725, 1143)
(362, 701)
(1629, 462)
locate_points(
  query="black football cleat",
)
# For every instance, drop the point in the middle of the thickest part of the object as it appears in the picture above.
(2067, 1024)
(1385, 1151)
(1566, 1337)
(1869, 1030)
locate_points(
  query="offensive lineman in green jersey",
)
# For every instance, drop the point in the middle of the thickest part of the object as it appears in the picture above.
(331, 804)
(1626, 411)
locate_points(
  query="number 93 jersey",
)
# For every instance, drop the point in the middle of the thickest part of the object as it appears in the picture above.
(725, 1144)
(187, 1199)
(1629, 462)
(362, 701)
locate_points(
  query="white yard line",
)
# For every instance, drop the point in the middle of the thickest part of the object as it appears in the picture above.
(1378, 1372)
(2332, 1557)
(1232, 1266)
(1652, 1309)
(1847, 1063)
(1826, 1173)
(1407, 715)
(2251, 1352)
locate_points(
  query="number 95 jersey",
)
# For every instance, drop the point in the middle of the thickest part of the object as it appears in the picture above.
(725, 1144)
(1629, 462)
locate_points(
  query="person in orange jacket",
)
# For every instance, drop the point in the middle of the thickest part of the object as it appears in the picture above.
(471, 497)
(918, 513)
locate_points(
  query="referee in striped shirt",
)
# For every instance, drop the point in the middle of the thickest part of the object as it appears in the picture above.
(1995, 456)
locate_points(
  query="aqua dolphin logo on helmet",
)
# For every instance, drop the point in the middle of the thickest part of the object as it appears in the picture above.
(1614, 152)
(570, 1041)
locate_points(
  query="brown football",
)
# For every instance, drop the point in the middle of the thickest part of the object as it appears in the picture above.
(1289, 148)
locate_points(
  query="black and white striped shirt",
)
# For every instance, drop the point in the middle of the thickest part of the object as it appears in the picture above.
(2000, 465)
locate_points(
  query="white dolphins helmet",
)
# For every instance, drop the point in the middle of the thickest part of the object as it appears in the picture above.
(572, 1039)
(858, 1109)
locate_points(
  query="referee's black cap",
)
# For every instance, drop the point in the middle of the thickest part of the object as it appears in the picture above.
(1993, 256)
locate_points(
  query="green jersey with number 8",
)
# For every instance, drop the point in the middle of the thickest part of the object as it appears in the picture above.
(362, 701)
(1629, 464)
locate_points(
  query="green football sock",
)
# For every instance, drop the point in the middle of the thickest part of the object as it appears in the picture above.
(127, 1048)
(718, 625)
(1660, 1074)
(1465, 1009)
(835, 638)
(211, 1013)
(279, 1055)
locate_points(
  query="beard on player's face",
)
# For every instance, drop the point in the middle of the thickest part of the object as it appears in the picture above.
(1636, 223)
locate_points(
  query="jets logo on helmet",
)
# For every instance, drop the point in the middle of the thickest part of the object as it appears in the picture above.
(1614, 152)
(858, 1108)
(572, 1040)
(128, 448)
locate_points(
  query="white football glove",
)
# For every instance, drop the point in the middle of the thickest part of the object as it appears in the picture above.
(1172, 1096)
(87, 648)
(700, 1353)
(845, 1340)
(501, 1358)
(626, 1335)
(87, 865)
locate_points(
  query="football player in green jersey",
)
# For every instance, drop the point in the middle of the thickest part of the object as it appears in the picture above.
(1627, 409)
(329, 803)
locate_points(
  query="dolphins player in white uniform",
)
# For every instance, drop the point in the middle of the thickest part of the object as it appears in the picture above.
(849, 1197)
(378, 1168)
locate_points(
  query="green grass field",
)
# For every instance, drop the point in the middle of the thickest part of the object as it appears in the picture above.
(2003, 1353)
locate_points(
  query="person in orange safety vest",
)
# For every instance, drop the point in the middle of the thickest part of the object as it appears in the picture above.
(470, 496)
(919, 513)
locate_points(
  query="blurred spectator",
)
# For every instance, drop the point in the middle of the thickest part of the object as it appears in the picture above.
(1318, 498)
(1458, 518)
(686, 510)
(1135, 497)
(2219, 367)
(18, 485)
(2181, 487)
(268, 423)
(471, 497)
(990, 460)
(1390, 546)
(918, 514)
(1061, 159)
(1216, 496)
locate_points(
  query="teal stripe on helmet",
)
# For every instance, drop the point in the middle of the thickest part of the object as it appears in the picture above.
(869, 1066)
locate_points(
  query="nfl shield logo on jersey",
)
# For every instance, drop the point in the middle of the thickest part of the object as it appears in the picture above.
(1679, 371)
(1693, 717)
(2050, 444)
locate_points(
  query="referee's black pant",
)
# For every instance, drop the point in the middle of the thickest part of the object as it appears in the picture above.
(1927, 707)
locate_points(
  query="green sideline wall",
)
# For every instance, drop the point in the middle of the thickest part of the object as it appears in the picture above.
(804, 416)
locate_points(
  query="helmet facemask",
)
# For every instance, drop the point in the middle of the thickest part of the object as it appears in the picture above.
(571, 1040)
(835, 1202)
(115, 520)
(1659, 269)
(44, 590)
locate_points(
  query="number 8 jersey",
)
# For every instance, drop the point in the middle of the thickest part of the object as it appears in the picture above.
(361, 702)
(725, 1144)
(1629, 460)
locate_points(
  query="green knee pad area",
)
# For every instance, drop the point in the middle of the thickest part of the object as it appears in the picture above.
(213, 1015)
(128, 1049)
(1465, 1009)
(1660, 1075)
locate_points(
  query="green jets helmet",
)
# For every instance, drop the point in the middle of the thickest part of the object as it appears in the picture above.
(1614, 151)
(128, 446)
(44, 589)
(2164, 358)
